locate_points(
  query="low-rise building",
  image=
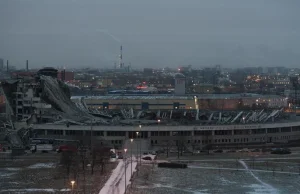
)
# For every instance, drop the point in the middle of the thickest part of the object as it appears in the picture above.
(151, 102)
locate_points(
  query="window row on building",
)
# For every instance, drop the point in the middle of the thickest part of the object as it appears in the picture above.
(142, 106)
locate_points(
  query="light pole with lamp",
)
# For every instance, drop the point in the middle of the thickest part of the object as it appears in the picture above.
(137, 151)
(131, 140)
(90, 185)
(125, 150)
(140, 126)
(72, 183)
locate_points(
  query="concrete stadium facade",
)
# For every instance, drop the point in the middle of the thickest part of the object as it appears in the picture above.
(199, 136)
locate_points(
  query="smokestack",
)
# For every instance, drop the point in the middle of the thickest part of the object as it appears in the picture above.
(121, 57)
(7, 66)
(26, 65)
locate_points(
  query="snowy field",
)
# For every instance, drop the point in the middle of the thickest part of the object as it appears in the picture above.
(40, 173)
(266, 174)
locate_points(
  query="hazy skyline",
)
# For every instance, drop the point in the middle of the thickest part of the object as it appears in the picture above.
(156, 33)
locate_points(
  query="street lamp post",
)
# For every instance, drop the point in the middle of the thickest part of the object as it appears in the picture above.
(137, 151)
(125, 150)
(140, 126)
(90, 185)
(131, 140)
(72, 183)
(91, 135)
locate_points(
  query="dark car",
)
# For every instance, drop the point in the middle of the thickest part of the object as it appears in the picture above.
(147, 158)
(281, 151)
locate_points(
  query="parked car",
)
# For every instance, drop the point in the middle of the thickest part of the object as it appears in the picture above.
(147, 158)
(281, 151)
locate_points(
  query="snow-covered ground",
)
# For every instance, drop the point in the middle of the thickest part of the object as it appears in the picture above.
(116, 183)
(34, 190)
(235, 176)
(2, 174)
(42, 165)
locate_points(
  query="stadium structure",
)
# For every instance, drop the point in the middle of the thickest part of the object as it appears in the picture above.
(41, 107)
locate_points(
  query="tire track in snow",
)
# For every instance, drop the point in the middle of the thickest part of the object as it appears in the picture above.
(274, 190)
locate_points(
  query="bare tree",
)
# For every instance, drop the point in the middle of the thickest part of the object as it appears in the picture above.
(146, 175)
(207, 147)
(83, 156)
(180, 144)
(69, 161)
(100, 156)
(166, 146)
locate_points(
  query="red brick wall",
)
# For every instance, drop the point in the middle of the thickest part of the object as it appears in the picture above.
(68, 75)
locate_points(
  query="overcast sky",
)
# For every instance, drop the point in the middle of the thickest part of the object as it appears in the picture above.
(155, 33)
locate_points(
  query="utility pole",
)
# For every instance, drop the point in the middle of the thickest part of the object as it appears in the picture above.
(137, 152)
(140, 126)
(91, 140)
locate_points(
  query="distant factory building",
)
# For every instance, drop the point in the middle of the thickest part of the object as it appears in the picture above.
(240, 101)
(65, 75)
(1, 64)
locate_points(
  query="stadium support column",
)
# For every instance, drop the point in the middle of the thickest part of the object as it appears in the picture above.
(64, 132)
(104, 134)
(232, 132)
(212, 136)
(266, 135)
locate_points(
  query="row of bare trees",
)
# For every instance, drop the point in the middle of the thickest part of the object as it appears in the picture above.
(77, 164)
(181, 145)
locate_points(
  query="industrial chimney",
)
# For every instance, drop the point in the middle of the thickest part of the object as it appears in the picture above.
(26, 65)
